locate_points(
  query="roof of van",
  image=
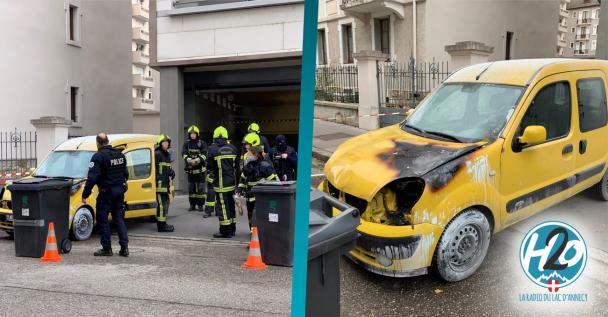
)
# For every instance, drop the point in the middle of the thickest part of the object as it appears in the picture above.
(521, 72)
(88, 143)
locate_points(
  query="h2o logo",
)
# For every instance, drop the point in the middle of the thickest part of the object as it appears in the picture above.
(553, 254)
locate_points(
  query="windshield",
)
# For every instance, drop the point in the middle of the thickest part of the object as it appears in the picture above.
(74, 164)
(467, 112)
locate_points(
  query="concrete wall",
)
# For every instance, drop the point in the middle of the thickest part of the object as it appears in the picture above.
(250, 31)
(147, 122)
(38, 65)
(344, 113)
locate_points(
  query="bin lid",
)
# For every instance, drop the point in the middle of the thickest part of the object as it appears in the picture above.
(271, 187)
(39, 184)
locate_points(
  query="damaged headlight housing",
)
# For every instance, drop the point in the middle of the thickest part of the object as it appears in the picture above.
(394, 201)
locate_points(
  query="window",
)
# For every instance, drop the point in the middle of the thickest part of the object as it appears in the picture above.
(139, 163)
(347, 44)
(74, 112)
(592, 110)
(383, 36)
(594, 30)
(508, 44)
(593, 45)
(571, 44)
(73, 24)
(596, 13)
(552, 109)
(574, 14)
(321, 52)
(573, 30)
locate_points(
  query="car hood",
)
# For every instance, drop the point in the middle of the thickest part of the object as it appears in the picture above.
(363, 165)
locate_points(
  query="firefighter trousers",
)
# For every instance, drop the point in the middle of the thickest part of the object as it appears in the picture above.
(162, 208)
(196, 189)
(225, 210)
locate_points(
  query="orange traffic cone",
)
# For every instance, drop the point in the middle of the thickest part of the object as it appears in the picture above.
(254, 260)
(51, 254)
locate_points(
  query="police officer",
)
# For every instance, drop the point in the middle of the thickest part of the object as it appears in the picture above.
(284, 158)
(108, 170)
(255, 170)
(255, 128)
(194, 153)
(164, 175)
(222, 161)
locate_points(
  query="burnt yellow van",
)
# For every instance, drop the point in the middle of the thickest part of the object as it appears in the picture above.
(71, 160)
(495, 143)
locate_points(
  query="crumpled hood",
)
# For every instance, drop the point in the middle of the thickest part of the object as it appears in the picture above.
(363, 165)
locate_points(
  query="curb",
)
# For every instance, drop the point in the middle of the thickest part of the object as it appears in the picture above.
(320, 154)
(205, 240)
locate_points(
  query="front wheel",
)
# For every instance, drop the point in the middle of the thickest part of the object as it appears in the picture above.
(463, 246)
(82, 225)
(602, 188)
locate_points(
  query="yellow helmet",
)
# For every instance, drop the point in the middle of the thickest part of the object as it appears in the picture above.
(194, 129)
(252, 138)
(254, 127)
(161, 138)
(220, 132)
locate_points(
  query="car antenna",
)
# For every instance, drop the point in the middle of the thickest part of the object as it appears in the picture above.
(483, 71)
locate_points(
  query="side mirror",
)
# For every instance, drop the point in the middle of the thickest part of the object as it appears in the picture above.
(534, 134)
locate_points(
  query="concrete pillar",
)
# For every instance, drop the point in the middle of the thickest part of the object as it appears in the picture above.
(50, 132)
(367, 64)
(468, 53)
(172, 117)
(601, 51)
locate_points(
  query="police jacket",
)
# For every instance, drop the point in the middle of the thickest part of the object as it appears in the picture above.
(253, 173)
(195, 150)
(284, 166)
(107, 169)
(222, 162)
(164, 171)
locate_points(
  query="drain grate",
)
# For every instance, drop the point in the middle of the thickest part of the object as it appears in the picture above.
(334, 136)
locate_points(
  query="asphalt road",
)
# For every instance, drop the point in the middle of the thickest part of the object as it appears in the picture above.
(494, 289)
(162, 277)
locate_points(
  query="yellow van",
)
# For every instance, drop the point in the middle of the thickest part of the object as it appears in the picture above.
(71, 160)
(494, 144)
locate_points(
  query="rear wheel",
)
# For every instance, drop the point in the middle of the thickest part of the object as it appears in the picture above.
(11, 235)
(66, 246)
(82, 225)
(602, 188)
(463, 246)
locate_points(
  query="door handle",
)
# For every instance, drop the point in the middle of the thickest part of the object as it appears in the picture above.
(146, 185)
(582, 146)
(567, 149)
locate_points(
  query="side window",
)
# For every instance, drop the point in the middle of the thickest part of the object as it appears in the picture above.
(551, 109)
(593, 113)
(139, 163)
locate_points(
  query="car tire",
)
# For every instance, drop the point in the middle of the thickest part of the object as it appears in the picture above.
(82, 224)
(66, 246)
(11, 235)
(602, 188)
(462, 246)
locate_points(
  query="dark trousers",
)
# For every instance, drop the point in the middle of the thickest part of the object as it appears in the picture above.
(225, 210)
(162, 208)
(250, 213)
(196, 189)
(111, 201)
(210, 200)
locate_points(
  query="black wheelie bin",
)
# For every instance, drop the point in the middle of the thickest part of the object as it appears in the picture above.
(329, 237)
(36, 202)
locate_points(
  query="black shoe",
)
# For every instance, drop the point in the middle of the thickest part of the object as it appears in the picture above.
(201, 208)
(219, 235)
(192, 208)
(124, 252)
(206, 214)
(164, 227)
(103, 252)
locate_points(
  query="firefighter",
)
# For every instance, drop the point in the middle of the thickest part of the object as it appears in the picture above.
(222, 161)
(257, 169)
(164, 175)
(194, 153)
(210, 197)
(108, 170)
(284, 158)
(255, 128)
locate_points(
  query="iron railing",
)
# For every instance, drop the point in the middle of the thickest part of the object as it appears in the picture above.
(17, 153)
(350, 3)
(403, 85)
(337, 83)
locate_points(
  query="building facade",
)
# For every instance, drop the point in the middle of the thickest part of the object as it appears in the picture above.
(421, 29)
(582, 26)
(227, 62)
(74, 62)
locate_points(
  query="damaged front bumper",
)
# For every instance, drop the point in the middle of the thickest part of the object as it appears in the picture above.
(397, 251)
(6, 220)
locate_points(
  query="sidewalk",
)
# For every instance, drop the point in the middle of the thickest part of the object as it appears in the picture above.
(327, 136)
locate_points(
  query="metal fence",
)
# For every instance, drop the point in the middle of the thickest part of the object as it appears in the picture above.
(17, 153)
(402, 85)
(337, 83)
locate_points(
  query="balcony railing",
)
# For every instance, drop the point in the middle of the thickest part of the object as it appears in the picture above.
(140, 12)
(141, 59)
(143, 103)
(143, 81)
(581, 52)
(584, 21)
(140, 35)
(582, 36)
